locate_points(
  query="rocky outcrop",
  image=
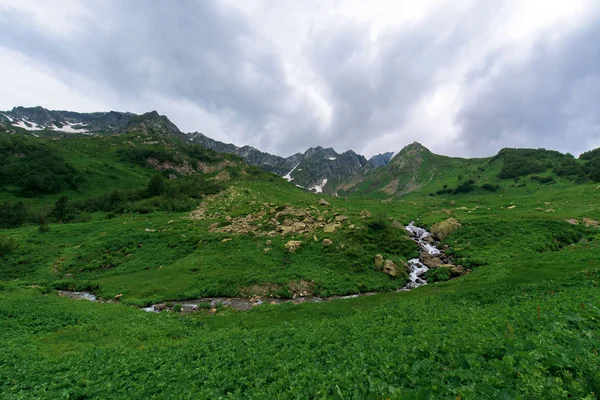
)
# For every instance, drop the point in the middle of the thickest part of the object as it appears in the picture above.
(441, 230)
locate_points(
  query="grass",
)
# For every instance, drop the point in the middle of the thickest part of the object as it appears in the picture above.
(523, 324)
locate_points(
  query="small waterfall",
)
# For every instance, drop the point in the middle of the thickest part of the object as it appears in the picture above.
(417, 268)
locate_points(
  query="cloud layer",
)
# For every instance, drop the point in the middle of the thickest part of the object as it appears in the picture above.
(463, 77)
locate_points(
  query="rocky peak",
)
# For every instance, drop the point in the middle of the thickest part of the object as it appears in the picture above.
(381, 160)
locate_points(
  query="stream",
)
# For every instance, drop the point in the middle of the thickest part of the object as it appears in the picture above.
(416, 272)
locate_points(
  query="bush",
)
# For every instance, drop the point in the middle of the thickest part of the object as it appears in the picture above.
(542, 179)
(437, 275)
(491, 188)
(7, 246)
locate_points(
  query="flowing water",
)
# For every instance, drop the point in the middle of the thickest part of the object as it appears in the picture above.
(416, 272)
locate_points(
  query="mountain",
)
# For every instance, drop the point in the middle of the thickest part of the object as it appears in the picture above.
(318, 169)
(323, 170)
(381, 160)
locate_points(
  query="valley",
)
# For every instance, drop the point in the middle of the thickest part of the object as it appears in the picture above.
(233, 260)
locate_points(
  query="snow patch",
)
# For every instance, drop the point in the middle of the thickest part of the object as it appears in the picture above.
(319, 188)
(288, 176)
(70, 128)
(9, 118)
(24, 122)
(331, 158)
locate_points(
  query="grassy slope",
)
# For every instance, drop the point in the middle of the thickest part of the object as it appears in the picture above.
(524, 324)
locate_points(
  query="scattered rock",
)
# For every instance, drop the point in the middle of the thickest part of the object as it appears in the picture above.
(298, 226)
(462, 209)
(390, 268)
(329, 228)
(365, 214)
(572, 221)
(378, 262)
(226, 240)
(590, 223)
(268, 242)
(341, 218)
(549, 210)
(351, 226)
(315, 238)
(150, 230)
(267, 249)
(292, 245)
(117, 297)
(440, 230)
(511, 207)
(327, 242)
(323, 202)
(160, 307)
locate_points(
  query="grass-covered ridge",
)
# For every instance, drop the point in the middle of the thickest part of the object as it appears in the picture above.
(523, 324)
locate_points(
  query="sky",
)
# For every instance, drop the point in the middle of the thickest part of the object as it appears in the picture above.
(463, 77)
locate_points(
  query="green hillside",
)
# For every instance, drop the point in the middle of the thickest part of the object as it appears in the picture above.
(141, 219)
(416, 169)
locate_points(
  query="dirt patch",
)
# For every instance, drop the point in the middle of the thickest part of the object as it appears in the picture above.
(184, 168)
(262, 290)
(391, 187)
(302, 287)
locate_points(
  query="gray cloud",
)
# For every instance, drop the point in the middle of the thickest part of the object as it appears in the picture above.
(212, 56)
(548, 100)
(186, 49)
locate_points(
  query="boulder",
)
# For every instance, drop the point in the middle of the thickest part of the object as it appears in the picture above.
(455, 270)
(590, 223)
(429, 260)
(572, 221)
(117, 297)
(341, 218)
(440, 230)
(292, 245)
(298, 226)
(365, 214)
(329, 228)
(397, 225)
(327, 242)
(268, 242)
(428, 239)
(160, 307)
(323, 202)
(390, 268)
(378, 262)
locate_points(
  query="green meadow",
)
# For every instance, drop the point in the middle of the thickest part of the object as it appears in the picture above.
(523, 324)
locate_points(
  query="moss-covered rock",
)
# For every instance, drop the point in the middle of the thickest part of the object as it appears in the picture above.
(440, 230)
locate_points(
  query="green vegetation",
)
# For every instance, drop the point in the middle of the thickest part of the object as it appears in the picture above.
(161, 222)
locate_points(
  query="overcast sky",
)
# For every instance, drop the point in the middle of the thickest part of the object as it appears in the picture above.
(463, 77)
